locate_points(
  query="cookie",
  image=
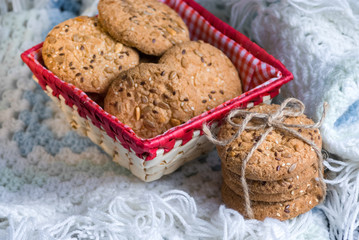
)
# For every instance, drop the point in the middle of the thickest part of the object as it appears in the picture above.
(148, 25)
(207, 69)
(273, 197)
(152, 98)
(78, 51)
(272, 187)
(280, 156)
(279, 210)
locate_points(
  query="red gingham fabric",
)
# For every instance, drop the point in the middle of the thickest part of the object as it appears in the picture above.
(261, 74)
(252, 71)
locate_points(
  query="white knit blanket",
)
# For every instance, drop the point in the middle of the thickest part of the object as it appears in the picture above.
(55, 184)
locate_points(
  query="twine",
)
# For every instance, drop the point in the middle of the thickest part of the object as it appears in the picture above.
(291, 107)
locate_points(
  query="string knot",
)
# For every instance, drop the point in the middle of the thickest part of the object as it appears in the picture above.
(291, 107)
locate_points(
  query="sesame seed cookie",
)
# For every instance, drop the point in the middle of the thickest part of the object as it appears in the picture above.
(273, 197)
(148, 25)
(207, 68)
(280, 156)
(152, 98)
(78, 51)
(280, 210)
(271, 187)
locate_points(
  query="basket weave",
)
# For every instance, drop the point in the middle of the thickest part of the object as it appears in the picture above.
(149, 159)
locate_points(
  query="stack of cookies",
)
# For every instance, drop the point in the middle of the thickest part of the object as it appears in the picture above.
(137, 61)
(282, 174)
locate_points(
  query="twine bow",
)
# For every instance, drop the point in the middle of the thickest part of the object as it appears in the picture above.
(291, 107)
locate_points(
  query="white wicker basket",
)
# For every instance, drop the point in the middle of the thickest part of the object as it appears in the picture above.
(149, 159)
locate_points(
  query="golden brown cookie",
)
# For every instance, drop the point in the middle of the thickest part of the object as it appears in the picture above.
(280, 210)
(273, 197)
(148, 25)
(207, 69)
(271, 187)
(280, 156)
(152, 98)
(78, 51)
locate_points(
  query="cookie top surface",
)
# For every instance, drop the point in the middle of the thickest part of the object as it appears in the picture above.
(207, 68)
(148, 25)
(273, 187)
(280, 210)
(151, 98)
(78, 51)
(280, 156)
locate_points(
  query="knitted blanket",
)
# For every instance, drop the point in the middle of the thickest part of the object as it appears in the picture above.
(55, 184)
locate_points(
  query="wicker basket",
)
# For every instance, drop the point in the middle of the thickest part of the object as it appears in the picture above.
(149, 159)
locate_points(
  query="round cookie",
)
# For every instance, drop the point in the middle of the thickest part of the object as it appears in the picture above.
(279, 210)
(207, 68)
(148, 25)
(280, 156)
(152, 98)
(274, 197)
(78, 51)
(272, 187)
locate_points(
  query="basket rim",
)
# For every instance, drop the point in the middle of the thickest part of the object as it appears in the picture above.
(156, 142)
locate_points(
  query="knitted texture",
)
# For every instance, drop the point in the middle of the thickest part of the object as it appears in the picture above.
(318, 41)
(55, 184)
(320, 49)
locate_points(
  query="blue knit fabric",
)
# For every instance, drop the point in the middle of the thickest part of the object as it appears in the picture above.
(34, 133)
(350, 116)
